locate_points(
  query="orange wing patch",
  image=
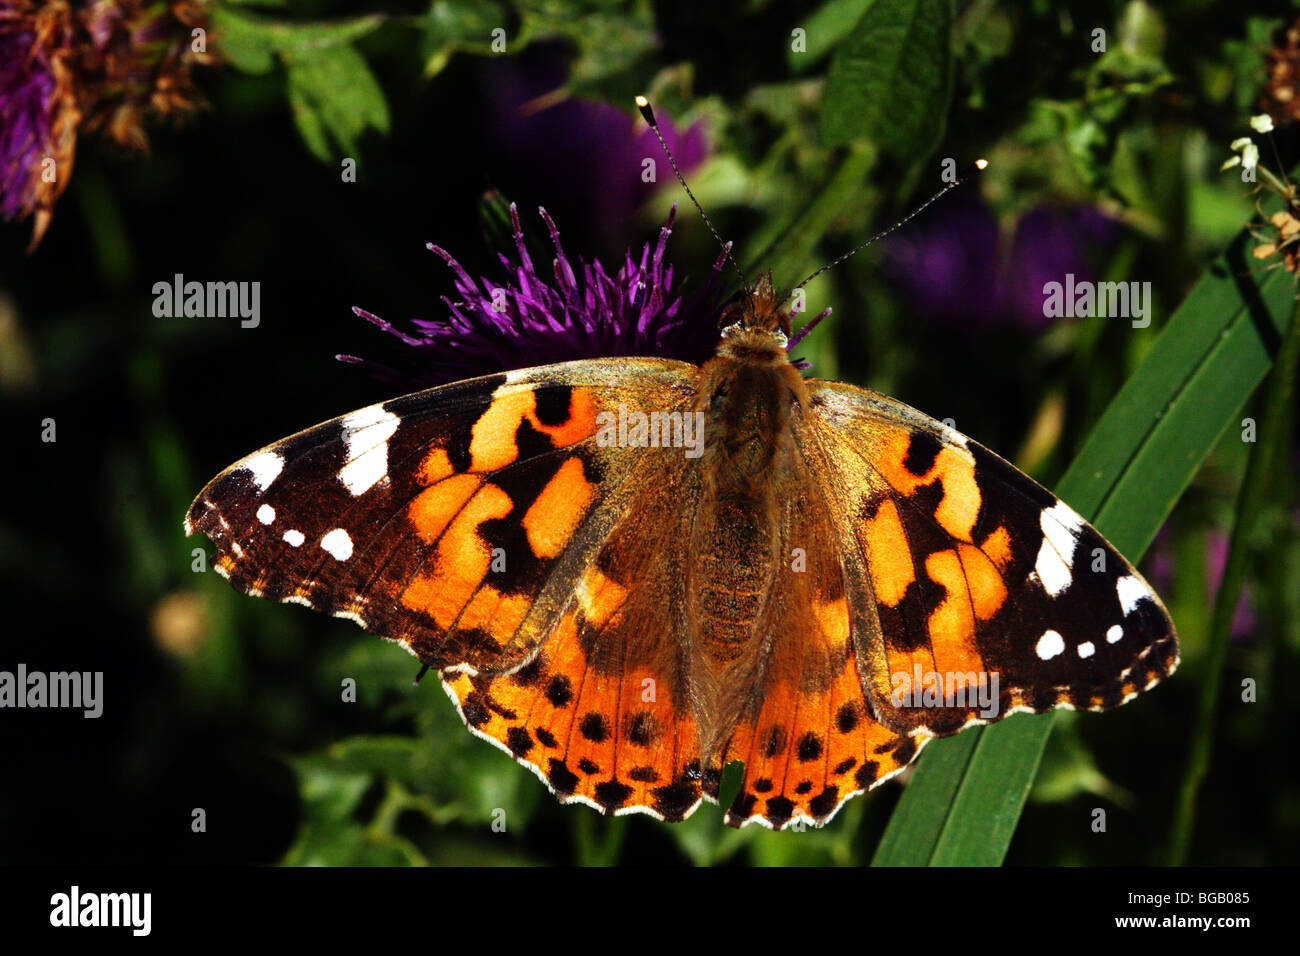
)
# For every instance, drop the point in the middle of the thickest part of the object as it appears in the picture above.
(952, 466)
(613, 738)
(808, 739)
(814, 745)
(882, 535)
(552, 517)
(493, 442)
(453, 587)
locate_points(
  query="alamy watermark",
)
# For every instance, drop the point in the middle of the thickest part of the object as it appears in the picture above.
(637, 429)
(78, 690)
(208, 300)
(75, 908)
(963, 689)
(1085, 299)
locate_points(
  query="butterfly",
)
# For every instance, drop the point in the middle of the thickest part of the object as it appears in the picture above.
(631, 572)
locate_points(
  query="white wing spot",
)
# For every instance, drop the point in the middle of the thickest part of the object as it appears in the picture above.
(1049, 645)
(294, 538)
(1130, 590)
(1087, 649)
(265, 467)
(266, 514)
(366, 433)
(1060, 524)
(952, 436)
(1114, 633)
(338, 544)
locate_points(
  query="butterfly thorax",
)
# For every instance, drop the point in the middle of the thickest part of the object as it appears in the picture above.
(748, 393)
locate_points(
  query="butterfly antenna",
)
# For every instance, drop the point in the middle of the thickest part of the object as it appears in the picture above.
(648, 114)
(970, 171)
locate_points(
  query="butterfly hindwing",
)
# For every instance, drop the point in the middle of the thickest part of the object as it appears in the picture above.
(456, 520)
(603, 712)
(986, 589)
(807, 735)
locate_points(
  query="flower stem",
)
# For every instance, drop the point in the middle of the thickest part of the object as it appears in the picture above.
(1250, 498)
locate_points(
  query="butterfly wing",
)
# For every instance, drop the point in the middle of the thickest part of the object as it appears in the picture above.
(603, 713)
(965, 569)
(455, 521)
(806, 734)
(486, 527)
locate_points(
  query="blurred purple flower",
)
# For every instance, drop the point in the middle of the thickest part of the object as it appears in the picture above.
(1244, 621)
(582, 312)
(958, 272)
(38, 108)
(25, 89)
(582, 159)
(84, 65)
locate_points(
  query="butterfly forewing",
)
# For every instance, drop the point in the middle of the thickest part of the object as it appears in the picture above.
(455, 521)
(989, 594)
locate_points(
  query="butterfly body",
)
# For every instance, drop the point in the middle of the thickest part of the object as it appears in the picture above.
(830, 581)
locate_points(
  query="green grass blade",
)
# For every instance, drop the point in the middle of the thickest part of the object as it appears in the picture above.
(1273, 437)
(1216, 349)
(914, 823)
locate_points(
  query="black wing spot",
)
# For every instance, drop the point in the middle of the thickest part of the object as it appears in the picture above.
(867, 774)
(674, 800)
(847, 717)
(475, 710)
(642, 728)
(559, 691)
(594, 727)
(611, 794)
(824, 802)
(810, 747)
(564, 780)
(921, 453)
(779, 811)
(554, 404)
(518, 741)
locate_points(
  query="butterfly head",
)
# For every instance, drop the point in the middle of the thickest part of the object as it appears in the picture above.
(756, 320)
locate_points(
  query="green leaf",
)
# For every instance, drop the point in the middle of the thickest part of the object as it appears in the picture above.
(249, 40)
(1143, 453)
(241, 40)
(453, 25)
(335, 98)
(890, 81)
(789, 255)
(828, 25)
(608, 36)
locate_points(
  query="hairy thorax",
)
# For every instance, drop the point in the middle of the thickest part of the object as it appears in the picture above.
(747, 394)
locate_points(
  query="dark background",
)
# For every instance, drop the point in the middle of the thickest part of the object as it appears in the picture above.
(240, 712)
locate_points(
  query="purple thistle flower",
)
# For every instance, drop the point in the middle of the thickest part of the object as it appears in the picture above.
(37, 108)
(24, 120)
(86, 65)
(959, 273)
(581, 310)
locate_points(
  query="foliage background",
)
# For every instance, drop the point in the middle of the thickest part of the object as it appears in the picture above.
(219, 701)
